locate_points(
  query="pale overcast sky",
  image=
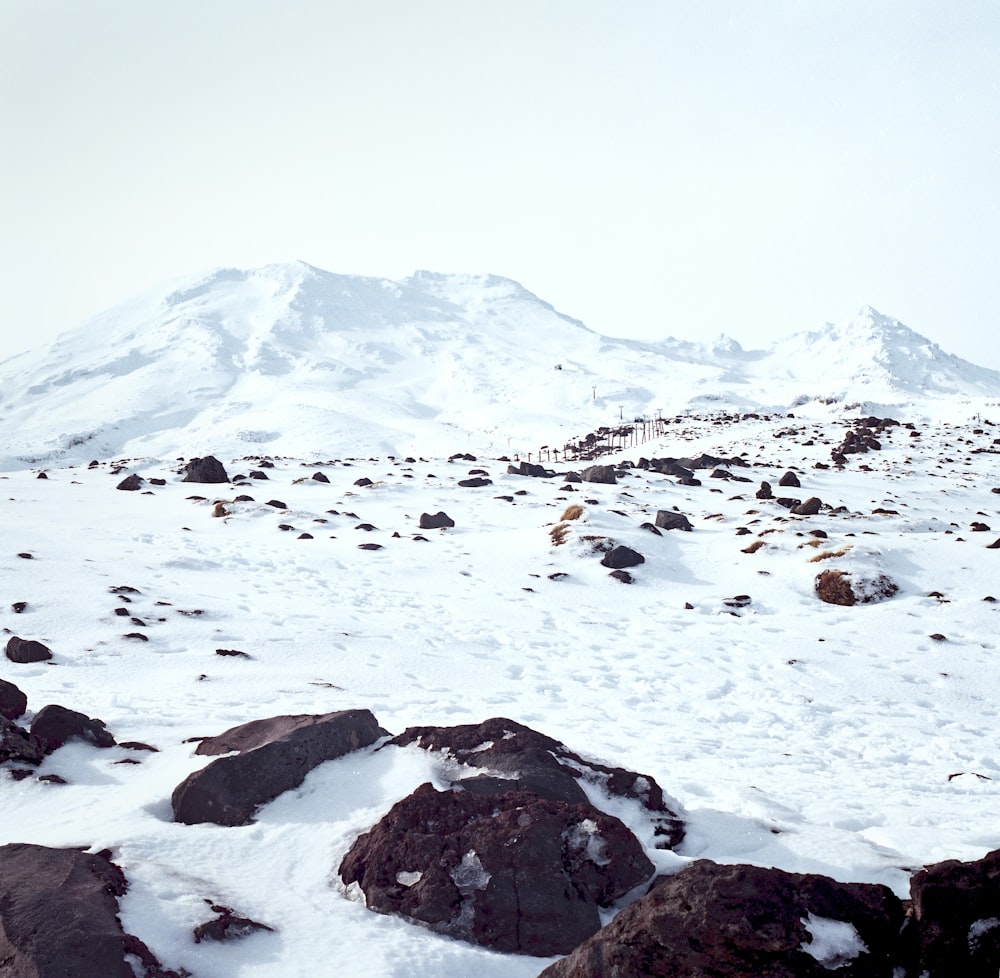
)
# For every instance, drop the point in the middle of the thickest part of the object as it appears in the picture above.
(651, 167)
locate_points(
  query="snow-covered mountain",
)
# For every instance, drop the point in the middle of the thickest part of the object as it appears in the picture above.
(812, 685)
(433, 363)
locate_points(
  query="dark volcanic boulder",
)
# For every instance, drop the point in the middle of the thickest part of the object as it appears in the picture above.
(765, 491)
(619, 557)
(13, 701)
(668, 520)
(275, 755)
(27, 650)
(789, 479)
(530, 469)
(516, 758)
(208, 469)
(513, 872)
(59, 917)
(475, 483)
(604, 474)
(16, 744)
(670, 466)
(809, 508)
(956, 907)
(54, 725)
(742, 921)
(130, 483)
(435, 521)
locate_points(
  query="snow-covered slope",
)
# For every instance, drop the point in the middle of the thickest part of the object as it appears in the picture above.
(435, 363)
(855, 741)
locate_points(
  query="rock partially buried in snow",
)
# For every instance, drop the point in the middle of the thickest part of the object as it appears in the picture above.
(59, 917)
(435, 521)
(604, 474)
(275, 756)
(54, 725)
(667, 520)
(737, 921)
(513, 871)
(619, 557)
(27, 650)
(512, 757)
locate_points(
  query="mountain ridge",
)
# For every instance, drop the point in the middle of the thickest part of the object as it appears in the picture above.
(422, 364)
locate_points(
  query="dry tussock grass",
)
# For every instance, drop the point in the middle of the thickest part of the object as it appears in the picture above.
(572, 512)
(828, 555)
(754, 547)
(834, 587)
(558, 533)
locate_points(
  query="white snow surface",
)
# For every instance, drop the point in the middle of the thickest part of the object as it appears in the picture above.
(791, 733)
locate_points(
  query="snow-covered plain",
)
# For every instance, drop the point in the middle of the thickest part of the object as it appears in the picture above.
(791, 733)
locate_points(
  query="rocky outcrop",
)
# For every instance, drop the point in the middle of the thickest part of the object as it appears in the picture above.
(274, 756)
(737, 921)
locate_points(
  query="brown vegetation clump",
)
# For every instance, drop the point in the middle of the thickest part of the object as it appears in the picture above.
(828, 554)
(834, 587)
(558, 533)
(572, 512)
(754, 547)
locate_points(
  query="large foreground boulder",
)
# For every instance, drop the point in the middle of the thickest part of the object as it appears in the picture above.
(59, 917)
(275, 755)
(513, 871)
(956, 907)
(712, 921)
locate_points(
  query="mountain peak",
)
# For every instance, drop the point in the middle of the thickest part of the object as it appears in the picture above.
(314, 361)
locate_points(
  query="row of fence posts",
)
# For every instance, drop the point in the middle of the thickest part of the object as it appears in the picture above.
(604, 441)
